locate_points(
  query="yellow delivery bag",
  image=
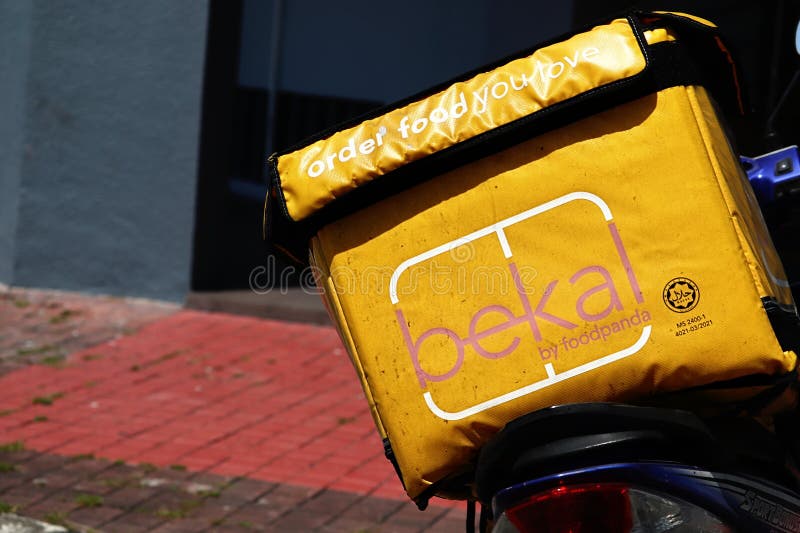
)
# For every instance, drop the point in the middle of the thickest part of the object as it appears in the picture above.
(569, 225)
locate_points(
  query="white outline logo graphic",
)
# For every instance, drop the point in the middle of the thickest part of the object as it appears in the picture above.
(499, 230)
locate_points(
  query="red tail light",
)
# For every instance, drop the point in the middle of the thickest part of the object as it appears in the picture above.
(581, 509)
(607, 508)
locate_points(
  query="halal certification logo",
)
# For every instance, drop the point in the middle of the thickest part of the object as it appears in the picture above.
(681, 295)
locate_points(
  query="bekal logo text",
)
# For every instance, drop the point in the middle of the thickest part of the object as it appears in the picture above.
(536, 315)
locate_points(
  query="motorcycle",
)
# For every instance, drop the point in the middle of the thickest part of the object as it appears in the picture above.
(611, 468)
(614, 468)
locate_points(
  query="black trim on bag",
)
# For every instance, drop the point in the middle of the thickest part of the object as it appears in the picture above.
(423, 499)
(455, 486)
(774, 386)
(742, 382)
(389, 453)
(785, 323)
(667, 64)
(755, 405)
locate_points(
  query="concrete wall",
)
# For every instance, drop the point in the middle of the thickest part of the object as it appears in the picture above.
(15, 18)
(98, 162)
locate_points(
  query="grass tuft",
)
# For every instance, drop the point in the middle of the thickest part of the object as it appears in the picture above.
(15, 446)
(181, 511)
(53, 360)
(7, 507)
(57, 519)
(116, 482)
(89, 500)
(63, 316)
(47, 399)
(36, 350)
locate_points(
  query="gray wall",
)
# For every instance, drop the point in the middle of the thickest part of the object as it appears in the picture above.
(98, 159)
(14, 52)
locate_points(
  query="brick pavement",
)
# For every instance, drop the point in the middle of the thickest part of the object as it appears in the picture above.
(39, 326)
(265, 417)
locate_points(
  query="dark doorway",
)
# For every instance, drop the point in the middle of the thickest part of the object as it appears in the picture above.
(240, 128)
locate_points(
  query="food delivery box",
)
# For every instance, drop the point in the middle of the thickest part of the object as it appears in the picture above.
(568, 225)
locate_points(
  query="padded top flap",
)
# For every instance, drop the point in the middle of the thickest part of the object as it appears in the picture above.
(486, 110)
(316, 175)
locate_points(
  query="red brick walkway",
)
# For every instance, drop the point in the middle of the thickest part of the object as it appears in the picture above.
(267, 414)
(234, 396)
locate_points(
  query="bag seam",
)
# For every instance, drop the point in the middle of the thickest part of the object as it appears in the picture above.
(714, 164)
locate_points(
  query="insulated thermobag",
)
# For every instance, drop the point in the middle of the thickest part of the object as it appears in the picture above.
(568, 225)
